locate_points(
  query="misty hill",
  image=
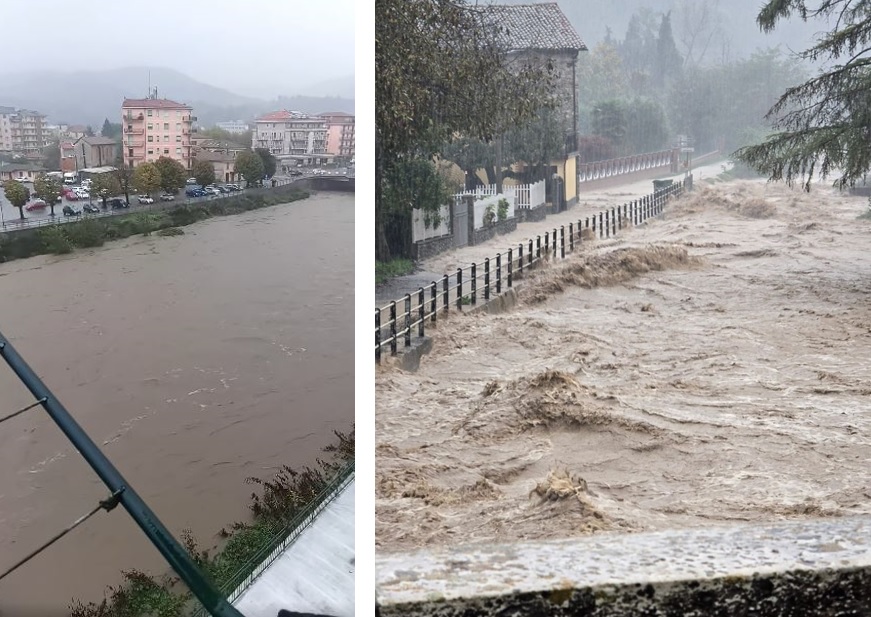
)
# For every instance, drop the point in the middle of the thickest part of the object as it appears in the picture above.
(88, 97)
(735, 18)
(342, 87)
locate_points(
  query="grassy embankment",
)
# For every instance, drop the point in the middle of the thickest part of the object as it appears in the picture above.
(386, 270)
(287, 494)
(93, 232)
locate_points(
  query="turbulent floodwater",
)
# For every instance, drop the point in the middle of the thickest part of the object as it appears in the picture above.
(195, 361)
(709, 367)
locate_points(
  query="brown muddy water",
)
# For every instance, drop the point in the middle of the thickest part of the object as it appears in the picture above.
(195, 361)
(713, 366)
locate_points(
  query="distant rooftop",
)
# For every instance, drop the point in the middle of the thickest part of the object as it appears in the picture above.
(535, 27)
(153, 104)
(282, 115)
(98, 141)
(336, 113)
(6, 167)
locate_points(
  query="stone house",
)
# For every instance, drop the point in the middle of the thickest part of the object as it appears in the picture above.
(541, 34)
(95, 152)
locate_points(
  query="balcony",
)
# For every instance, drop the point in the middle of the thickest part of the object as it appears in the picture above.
(133, 117)
(134, 131)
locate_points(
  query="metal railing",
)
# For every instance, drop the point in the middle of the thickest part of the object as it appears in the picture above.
(272, 550)
(597, 170)
(479, 283)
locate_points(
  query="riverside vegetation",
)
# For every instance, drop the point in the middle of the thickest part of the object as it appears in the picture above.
(283, 497)
(93, 232)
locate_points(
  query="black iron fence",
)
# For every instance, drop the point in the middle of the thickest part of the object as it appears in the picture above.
(399, 322)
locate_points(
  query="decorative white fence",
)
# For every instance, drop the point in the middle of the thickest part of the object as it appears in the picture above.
(528, 196)
(625, 165)
(420, 230)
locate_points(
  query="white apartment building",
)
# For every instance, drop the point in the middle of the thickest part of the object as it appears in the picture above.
(233, 126)
(294, 138)
(23, 131)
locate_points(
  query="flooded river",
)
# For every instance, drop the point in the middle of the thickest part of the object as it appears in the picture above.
(709, 367)
(195, 361)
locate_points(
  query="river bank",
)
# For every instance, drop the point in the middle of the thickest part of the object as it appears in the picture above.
(194, 361)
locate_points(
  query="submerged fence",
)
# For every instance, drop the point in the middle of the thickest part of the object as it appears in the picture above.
(400, 321)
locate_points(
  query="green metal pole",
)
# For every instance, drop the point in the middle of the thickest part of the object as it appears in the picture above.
(168, 546)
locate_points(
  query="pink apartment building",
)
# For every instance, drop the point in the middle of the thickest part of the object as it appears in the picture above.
(155, 127)
(340, 133)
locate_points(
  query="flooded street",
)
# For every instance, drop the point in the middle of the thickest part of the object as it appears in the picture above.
(196, 361)
(711, 366)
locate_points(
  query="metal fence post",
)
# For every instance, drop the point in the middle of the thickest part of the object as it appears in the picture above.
(498, 273)
(607, 225)
(433, 306)
(474, 283)
(486, 279)
(538, 247)
(546, 243)
(393, 328)
(378, 335)
(614, 213)
(408, 320)
(530, 251)
(510, 265)
(446, 292)
(595, 234)
(562, 240)
(601, 225)
(421, 311)
(571, 238)
(459, 288)
(520, 258)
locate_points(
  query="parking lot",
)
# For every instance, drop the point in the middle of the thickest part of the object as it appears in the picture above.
(11, 219)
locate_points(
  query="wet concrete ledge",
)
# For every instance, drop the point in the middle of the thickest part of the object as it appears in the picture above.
(793, 569)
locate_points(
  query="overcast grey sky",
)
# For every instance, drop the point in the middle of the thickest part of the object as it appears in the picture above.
(257, 47)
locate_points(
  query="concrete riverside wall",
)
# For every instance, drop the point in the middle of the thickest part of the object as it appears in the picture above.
(793, 569)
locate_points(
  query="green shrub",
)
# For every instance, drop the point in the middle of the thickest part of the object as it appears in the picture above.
(502, 213)
(55, 240)
(87, 233)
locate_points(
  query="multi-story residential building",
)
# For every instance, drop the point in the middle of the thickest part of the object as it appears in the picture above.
(6, 114)
(154, 127)
(340, 133)
(23, 131)
(233, 126)
(292, 137)
(95, 152)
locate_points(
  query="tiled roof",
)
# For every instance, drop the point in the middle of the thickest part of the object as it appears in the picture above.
(535, 26)
(77, 128)
(154, 104)
(20, 167)
(281, 115)
(98, 141)
(211, 157)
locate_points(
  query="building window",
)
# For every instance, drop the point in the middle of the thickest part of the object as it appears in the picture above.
(166, 126)
(129, 151)
(178, 150)
(150, 151)
(178, 126)
(151, 138)
(150, 126)
(149, 113)
(178, 139)
(166, 150)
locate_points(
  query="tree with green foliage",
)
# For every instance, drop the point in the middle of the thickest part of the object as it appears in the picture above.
(536, 144)
(105, 185)
(250, 166)
(438, 67)
(89, 131)
(601, 76)
(470, 155)
(146, 178)
(48, 189)
(173, 175)
(51, 156)
(823, 125)
(242, 139)
(204, 172)
(17, 194)
(668, 61)
(609, 121)
(110, 129)
(269, 162)
(646, 126)
(124, 174)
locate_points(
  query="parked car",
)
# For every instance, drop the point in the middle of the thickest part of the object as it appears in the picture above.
(70, 211)
(194, 192)
(71, 196)
(36, 204)
(145, 199)
(295, 172)
(211, 190)
(116, 203)
(91, 209)
(223, 190)
(167, 197)
(232, 187)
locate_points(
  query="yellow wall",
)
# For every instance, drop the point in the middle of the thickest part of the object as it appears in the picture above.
(571, 178)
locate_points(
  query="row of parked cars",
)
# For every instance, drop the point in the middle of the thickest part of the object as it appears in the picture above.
(212, 189)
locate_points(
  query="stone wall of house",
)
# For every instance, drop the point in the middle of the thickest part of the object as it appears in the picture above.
(565, 64)
(431, 247)
(491, 231)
